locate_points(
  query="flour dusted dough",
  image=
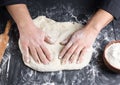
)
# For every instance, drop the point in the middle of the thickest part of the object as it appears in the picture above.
(58, 31)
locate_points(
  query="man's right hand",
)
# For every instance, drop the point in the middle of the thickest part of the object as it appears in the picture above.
(32, 42)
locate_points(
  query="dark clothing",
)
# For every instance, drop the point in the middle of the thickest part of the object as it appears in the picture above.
(111, 6)
(10, 2)
(3, 3)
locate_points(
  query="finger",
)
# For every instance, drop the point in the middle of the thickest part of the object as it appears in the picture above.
(46, 52)
(65, 41)
(34, 54)
(81, 55)
(69, 53)
(25, 52)
(75, 55)
(26, 58)
(64, 50)
(42, 56)
(48, 39)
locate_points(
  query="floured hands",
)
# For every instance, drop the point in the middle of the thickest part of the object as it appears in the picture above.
(77, 45)
(32, 42)
(32, 39)
(83, 39)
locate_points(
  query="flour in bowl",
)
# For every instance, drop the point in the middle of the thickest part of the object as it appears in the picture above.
(112, 55)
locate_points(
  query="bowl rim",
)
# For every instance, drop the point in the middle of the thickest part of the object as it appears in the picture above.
(106, 61)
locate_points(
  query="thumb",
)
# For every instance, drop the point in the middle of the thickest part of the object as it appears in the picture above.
(25, 52)
(48, 39)
(65, 41)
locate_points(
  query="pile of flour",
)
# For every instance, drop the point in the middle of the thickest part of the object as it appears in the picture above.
(112, 54)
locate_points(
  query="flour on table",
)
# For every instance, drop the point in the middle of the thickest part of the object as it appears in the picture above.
(58, 31)
(112, 54)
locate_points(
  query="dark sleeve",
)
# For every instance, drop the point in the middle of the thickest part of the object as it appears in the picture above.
(10, 2)
(112, 6)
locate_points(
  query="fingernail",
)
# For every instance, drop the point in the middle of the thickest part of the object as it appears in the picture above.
(78, 62)
(27, 60)
(63, 62)
(51, 58)
(47, 62)
(74, 61)
(38, 61)
(52, 41)
(70, 62)
(60, 56)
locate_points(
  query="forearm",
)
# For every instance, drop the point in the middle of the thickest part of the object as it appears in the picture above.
(99, 20)
(20, 14)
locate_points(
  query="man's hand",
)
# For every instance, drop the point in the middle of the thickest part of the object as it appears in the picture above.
(83, 39)
(31, 38)
(32, 42)
(77, 45)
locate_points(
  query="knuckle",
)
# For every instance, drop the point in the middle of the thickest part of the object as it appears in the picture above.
(41, 43)
(63, 51)
(37, 46)
(70, 51)
(67, 56)
(75, 53)
(78, 42)
(43, 57)
(48, 57)
(43, 60)
(72, 58)
(66, 47)
(35, 56)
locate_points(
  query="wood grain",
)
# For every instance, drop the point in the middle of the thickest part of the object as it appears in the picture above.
(4, 38)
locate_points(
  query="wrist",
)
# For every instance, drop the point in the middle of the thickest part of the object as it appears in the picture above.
(99, 20)
(93, 28)
(25, 25)
(28, 28)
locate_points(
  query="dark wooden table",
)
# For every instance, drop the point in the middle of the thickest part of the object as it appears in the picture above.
(14, 72)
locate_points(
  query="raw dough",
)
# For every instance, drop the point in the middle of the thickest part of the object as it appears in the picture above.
(58, 31)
